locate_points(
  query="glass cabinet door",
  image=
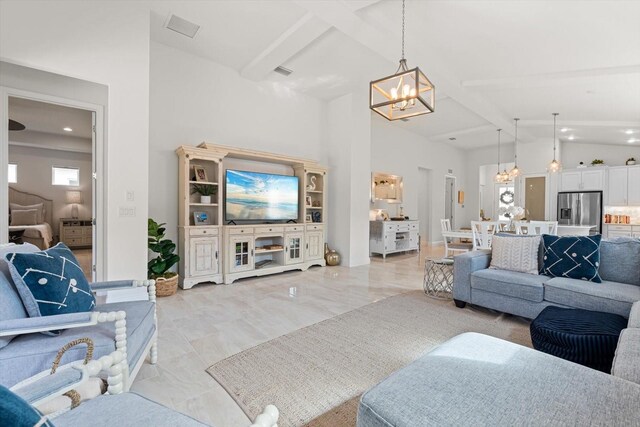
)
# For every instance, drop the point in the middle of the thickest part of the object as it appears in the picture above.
(242, 253)
(294, 247)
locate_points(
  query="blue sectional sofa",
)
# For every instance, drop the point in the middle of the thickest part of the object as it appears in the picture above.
(478, 380)
(527, 295)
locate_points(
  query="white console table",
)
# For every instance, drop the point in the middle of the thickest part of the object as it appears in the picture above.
(387, 237)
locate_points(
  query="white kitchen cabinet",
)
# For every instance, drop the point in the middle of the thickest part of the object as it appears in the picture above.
(633, 198)
(617, 187)
(582, 180)
(623, 188)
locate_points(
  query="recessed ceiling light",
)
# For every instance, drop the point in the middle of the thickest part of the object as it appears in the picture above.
(571, 138)
(632, 140)
(564, 129)
(67, 129)
(629, 131)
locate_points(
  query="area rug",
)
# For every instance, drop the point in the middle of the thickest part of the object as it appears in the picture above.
(316, 375)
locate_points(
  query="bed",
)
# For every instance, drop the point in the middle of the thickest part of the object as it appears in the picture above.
(41, 234)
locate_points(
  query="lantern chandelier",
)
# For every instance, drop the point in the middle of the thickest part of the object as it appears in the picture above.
(515, 171)
(555, 166)
(501, 177)
(406, 93)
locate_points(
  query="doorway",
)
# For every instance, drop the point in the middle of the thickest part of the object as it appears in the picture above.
(535, 197)
(449, 200)
(51, 156)
(424, 204)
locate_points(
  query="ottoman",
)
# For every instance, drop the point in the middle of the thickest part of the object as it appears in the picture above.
(581, 336)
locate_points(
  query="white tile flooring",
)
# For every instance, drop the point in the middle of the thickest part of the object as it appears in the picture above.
(208, 323)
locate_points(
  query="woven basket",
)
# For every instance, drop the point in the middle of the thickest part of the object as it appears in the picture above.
(166, 287)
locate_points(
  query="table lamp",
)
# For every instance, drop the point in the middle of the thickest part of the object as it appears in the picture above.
(74, 197)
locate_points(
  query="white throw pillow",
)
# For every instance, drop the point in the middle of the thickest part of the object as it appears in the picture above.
(515, 253)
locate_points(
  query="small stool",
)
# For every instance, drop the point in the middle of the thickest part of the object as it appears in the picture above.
(581, 336)
(438, 278)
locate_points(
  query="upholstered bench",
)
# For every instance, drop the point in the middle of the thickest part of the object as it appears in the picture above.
(580, 336)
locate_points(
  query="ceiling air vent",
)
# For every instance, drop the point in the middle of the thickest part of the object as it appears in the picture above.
(182, 26)
(284, 71)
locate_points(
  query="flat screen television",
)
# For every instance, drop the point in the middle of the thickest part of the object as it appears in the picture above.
(255, 196)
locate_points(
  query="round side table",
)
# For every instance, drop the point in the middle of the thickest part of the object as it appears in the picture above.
(438, 278)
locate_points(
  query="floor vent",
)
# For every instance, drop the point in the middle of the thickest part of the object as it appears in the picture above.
(182, 26)
(284, 71)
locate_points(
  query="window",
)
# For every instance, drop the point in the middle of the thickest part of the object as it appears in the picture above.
(65, 176)
(13, 173)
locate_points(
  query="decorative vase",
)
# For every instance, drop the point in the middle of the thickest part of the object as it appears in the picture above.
(205, 199)
(331, 256)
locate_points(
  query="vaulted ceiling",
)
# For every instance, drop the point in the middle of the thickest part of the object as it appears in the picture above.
(490, 60)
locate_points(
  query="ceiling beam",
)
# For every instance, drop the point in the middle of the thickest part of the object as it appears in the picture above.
(382, 40)
(535, 80)
(462, 132)
(300, 35)
(297, 37)
(579, 123)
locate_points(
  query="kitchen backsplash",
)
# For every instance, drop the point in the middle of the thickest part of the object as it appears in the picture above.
(632, 212)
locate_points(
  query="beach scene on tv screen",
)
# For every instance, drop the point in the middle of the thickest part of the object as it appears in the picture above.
(259, 196)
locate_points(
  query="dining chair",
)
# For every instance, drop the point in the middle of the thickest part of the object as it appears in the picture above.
(450, 245)
(545, 227)
(525, 228)
(483, 232)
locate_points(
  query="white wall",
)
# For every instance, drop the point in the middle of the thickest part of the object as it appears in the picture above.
(193, 99)
(402, 152)
(34, 176)
(105, 42)
(613, 155)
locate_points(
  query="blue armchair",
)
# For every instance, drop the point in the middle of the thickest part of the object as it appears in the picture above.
(130, 327)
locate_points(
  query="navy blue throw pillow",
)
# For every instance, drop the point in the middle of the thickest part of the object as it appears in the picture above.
(51, 282)
(16, 412)
(575, 257)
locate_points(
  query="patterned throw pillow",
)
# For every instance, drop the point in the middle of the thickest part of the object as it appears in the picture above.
(518, 253)
(575, 257)
(15, 411)
(50, 282)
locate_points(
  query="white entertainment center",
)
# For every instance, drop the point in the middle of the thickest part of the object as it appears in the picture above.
(222, 252)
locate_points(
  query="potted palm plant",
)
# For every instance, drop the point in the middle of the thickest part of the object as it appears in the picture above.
(631, 161)
(158, 267)
(205, 191)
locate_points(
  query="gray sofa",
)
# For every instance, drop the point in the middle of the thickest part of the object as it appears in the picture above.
(527, 295)
(475, 380)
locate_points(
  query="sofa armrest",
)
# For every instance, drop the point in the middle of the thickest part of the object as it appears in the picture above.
(44, 387)
(125, 284)
(465, 264)
(29, 325)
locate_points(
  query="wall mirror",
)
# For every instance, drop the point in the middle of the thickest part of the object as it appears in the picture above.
(386, 187)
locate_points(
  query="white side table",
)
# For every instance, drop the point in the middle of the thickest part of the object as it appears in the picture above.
(438, 278)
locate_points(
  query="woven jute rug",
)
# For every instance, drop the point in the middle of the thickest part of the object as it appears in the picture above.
(316, 375)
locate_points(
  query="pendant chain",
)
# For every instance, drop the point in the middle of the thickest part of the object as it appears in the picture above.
(402, 29)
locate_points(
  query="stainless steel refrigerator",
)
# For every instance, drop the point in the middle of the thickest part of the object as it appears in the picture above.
(581, 208)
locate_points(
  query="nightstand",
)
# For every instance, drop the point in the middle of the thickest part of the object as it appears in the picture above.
(76, 233)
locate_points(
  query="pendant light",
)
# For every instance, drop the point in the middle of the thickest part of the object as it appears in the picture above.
(515, 171)
(555, 166)
(500, 177)
(406, 93)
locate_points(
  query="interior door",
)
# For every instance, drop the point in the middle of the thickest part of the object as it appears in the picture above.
(535, 198)
(449, 202)
(94, 176)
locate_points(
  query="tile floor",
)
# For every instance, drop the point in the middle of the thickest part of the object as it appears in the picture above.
(208, 323)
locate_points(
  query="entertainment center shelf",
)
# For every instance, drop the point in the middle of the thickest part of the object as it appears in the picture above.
(213, 249)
